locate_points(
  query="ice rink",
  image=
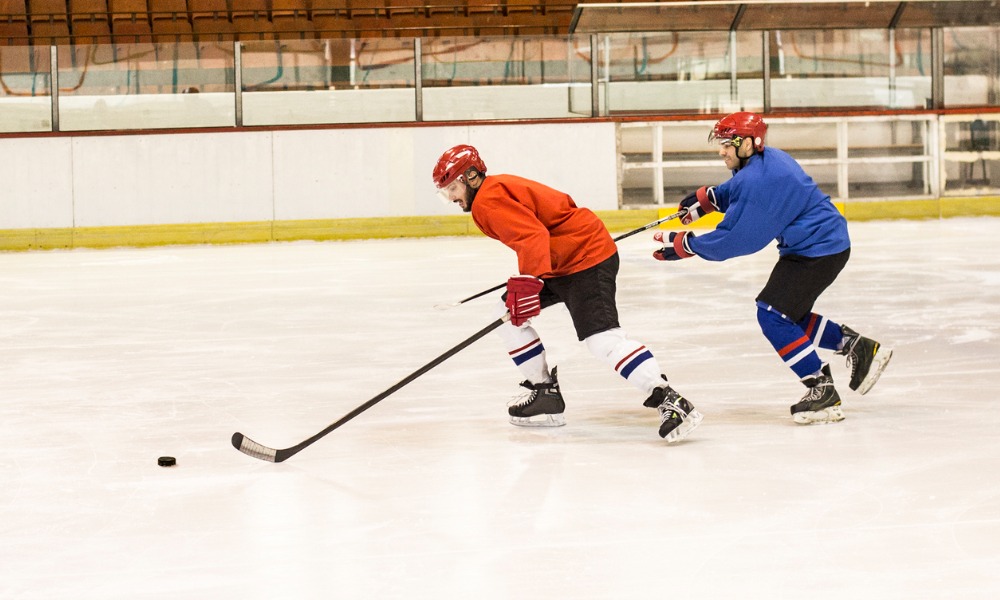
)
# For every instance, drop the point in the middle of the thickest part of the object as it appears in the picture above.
(111, 358)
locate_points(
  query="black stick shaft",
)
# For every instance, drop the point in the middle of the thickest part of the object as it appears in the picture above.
(679, 213)
(256, 450)
(251, 448)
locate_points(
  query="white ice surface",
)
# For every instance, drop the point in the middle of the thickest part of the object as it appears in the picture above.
(111, 358)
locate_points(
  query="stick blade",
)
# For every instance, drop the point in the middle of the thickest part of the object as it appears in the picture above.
(252, 448)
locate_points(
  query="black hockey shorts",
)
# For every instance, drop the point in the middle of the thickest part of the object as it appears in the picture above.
(797, 281)
(589, 296)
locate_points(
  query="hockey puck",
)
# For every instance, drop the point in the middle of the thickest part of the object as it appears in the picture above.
(166, 461)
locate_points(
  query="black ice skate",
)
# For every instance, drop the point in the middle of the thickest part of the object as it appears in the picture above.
(821, 404)
(678, 417)
(542, 406)
(865, 357)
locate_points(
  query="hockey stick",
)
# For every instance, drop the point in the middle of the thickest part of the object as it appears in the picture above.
(256, 450)
(679, 213)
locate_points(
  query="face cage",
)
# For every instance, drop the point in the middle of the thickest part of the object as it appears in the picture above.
(447, 192)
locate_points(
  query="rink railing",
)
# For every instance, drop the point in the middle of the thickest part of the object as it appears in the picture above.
(930, 97)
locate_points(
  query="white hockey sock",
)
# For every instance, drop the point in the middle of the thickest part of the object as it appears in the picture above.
(525, 349)
(628, 358)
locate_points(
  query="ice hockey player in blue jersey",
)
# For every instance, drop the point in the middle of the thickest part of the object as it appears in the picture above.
(770, 197)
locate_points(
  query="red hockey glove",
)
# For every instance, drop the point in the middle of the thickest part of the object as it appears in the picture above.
(677, 246)
(698, 204)
(522, 298)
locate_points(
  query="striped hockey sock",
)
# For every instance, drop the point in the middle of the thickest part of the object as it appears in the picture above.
(526, 350)
(823, 332)
(792, 344)
(629, 358)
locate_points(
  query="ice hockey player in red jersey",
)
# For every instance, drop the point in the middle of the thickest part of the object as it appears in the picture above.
(564, 254)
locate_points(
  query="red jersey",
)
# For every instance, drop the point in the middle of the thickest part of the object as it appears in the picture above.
(551, 235)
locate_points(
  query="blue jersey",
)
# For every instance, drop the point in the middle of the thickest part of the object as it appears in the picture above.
(770, 198)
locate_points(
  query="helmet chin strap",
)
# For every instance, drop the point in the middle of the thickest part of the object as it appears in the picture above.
(474, 179)
(744, 159)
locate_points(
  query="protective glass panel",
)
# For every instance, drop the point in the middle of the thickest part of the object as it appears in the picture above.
(523, 77)
(146, 86)
(25, 89)
(710, 72)
(856, 68)
(328, 81)
(972, 66)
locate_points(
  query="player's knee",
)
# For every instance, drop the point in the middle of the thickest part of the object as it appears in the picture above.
(768, 318)
(603, 344)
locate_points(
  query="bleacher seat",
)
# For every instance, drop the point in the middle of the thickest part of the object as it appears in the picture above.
(131, 32)
(291, 20)
(47, 10)
(208, 9)
(128, 10)
(475, 24)
(14, 33)
(493, 7)
(329, 8)
(251, 20)
(91, 32)
(366, 26)
(331, 18)
(88, 10)
(522, 6)
(333, 27)
(219, 29)
(293, 8)
(252, 9)
(446, 7)
(405, 7)
(408, 25)
(169, 10)
(47, 34)
(13, 11)
(293, 28)
(171, 30)
(259, 28)
(366, 8)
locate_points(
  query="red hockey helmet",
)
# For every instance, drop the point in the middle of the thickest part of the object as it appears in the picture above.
(741, 125)
(455, 162)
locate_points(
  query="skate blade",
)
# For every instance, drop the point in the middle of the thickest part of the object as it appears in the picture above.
(830, 414)
(539, 421)
(685, 428)
(879, 363)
